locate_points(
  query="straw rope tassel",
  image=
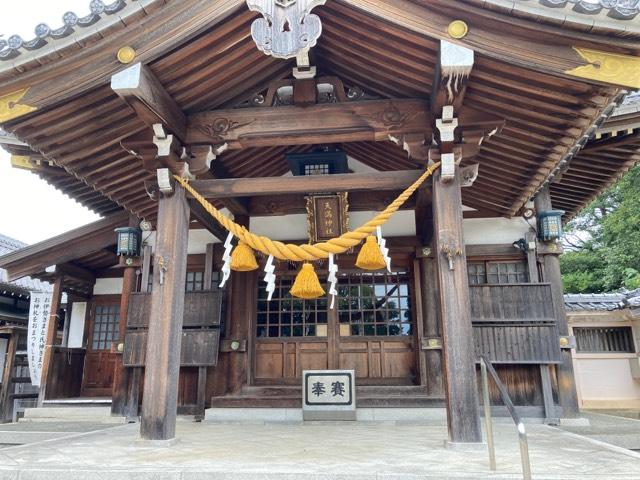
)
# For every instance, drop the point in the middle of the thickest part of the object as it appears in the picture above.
(307, 285)
(300, 253)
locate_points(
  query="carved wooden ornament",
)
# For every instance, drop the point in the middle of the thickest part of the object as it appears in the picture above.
(288, 26)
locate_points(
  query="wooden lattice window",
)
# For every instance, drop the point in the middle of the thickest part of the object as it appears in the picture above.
(194, 282)
(477, 273)
(286, 316)
(375, 304)
(497, 272)
(105, 326)
(604, 339)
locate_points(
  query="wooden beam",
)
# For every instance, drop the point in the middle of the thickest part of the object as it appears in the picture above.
(343, 182)
(207, 220)
(457, 332)
(160, 400)
(375, 120)
(450, 81)
(141, 89)
(75, 272)
(289, 204)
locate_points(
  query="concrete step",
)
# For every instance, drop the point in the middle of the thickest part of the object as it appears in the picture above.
(408, 416)
(93, 414)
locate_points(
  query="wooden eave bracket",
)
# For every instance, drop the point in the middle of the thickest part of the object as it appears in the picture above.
(141, 89)
(171, 153)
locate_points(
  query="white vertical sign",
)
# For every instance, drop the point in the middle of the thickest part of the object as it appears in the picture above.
(38, 321)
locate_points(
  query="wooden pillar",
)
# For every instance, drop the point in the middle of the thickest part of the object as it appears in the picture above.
(432, 330)
(121, 374)
(458, 354)
(134, 375)
(8, 387)
(162, 366)
(202, 371)
(567, 393)
(52, 328)
(242, 304)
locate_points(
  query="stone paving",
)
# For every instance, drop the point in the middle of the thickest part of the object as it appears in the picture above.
(622, 431)
(323, 451)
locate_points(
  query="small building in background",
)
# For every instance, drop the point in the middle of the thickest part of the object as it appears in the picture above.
(606, 359)
(16, 391)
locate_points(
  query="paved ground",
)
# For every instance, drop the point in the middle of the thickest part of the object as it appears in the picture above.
(209, 451)
(12, 434)
(621, 430)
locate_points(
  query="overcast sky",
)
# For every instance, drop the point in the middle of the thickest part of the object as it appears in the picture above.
(30, 209)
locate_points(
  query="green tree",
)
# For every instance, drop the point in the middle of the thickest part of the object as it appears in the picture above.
(603, 242)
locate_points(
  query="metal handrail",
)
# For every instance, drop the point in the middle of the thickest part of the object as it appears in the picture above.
(485, 365)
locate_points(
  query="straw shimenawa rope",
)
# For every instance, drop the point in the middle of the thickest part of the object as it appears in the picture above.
(307, 252)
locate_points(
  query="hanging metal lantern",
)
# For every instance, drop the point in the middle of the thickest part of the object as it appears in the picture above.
(550, 225)
(129, 241)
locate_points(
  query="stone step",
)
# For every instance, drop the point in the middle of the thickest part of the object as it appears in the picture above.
(411, 416)
(94, 414)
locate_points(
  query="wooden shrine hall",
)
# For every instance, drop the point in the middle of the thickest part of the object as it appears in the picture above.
(450, 138)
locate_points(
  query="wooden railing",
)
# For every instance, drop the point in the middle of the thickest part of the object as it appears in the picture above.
(515, 323)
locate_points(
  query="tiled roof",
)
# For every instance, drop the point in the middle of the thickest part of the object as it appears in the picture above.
(610, 14)
(71, 22)
(601, 301)
(7, 245)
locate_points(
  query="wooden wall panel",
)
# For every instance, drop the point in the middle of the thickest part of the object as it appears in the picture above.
(201, 309)
(199, 348)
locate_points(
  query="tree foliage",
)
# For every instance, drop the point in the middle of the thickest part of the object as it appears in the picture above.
(603, 242)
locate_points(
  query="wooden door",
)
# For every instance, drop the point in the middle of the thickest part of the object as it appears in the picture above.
(371, 330)
(99, 362)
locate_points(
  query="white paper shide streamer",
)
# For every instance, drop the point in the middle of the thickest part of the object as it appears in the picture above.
(332, 279)
(382, 243)
(226, 257)
(270, 277)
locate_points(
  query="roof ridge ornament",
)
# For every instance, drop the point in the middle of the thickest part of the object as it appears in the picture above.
(287, 28)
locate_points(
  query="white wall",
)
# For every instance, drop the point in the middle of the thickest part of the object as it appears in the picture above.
(493, 231)
(108, 286)
(294, 227)
(604, 380)
(76, 325)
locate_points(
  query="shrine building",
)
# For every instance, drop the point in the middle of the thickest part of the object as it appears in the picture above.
(373, 186)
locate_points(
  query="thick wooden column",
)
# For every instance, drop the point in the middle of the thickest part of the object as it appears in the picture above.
(432, 330)
(121, 373)
(458, 351)
(162, 366)
(52, 328)
(567, 393)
